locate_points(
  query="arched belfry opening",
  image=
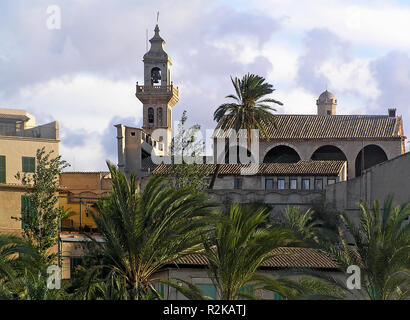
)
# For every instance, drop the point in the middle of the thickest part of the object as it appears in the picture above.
(328, 152)
(156, 76)
(281, 154)
(368, 157)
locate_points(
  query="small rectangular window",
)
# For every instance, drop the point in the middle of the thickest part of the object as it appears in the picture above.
(133, 134)
(2, 169)
(318, 184)
(28, 164)
(306, 184)
(293, 184)
(268, 184)
(237, 183)
(281, 184)
(331, 181)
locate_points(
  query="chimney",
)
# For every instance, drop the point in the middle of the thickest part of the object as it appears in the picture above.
(392, 112)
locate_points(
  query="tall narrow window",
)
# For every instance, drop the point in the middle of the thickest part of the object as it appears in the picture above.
(28, 164)
(318, 184)
(159, 116)
(306, 184)
(237, 184)
(151, 116)
(293, 184)
(281, 184)
(268, 184)
(2, 169)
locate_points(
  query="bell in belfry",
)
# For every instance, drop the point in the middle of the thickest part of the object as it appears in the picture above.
(155, 75)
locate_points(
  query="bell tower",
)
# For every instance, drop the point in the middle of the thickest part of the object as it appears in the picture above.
(158, 94)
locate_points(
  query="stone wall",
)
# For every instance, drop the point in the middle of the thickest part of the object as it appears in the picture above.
(388, 178)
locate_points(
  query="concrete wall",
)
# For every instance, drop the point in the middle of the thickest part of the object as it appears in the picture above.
(390, 177)
(14, 148)
(279, 199)
(10, 206)
(45, 131)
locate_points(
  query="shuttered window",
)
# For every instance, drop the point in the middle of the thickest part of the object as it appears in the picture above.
(2, 169)
(208, 290)
(28, 164)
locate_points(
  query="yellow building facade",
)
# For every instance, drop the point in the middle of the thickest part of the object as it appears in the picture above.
(20, 139)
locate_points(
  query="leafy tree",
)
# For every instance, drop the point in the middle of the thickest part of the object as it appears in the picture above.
(41, 214)
(251, 109)
(187, 170)
(145, 230)
(243, 240)
(381, 250)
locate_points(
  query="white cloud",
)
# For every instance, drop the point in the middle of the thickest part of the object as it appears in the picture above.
(353, 76)
(83, 102)
(377, 23)
(88, 157)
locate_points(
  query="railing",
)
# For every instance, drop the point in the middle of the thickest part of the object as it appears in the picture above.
(151, 89)
(79, 211)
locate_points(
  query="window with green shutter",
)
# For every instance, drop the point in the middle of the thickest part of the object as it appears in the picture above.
(248, 289)
(2, 169)
(28, 164)
(208, 290)
(277, 296)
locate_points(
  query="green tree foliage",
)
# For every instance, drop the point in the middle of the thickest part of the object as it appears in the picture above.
(144, 231)
(41, 216)
(187, 151)
(243, 240)
(381, 250)
(250, 109)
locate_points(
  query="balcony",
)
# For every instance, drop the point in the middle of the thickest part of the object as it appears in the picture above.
(157, 89)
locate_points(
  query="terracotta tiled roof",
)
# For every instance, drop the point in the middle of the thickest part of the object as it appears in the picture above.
(311, 167)
(334, 127)
(284, 257)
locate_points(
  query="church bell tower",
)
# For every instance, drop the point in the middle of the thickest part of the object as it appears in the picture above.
(158, 94)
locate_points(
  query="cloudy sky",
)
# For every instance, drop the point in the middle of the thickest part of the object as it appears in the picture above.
(83, 75)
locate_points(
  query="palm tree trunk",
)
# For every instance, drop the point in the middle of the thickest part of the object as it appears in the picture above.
(217, 169)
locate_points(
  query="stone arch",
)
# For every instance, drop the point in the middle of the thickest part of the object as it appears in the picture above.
(369, 156)
(156, 76)
(281, 154)
(328, 152)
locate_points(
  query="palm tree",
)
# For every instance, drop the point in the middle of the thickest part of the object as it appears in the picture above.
(302, 223)
(251, 109)
(17, 256)
(242, 242)
(145, 230)
(382, 250)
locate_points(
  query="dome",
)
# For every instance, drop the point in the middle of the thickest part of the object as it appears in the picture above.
(326, 96)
